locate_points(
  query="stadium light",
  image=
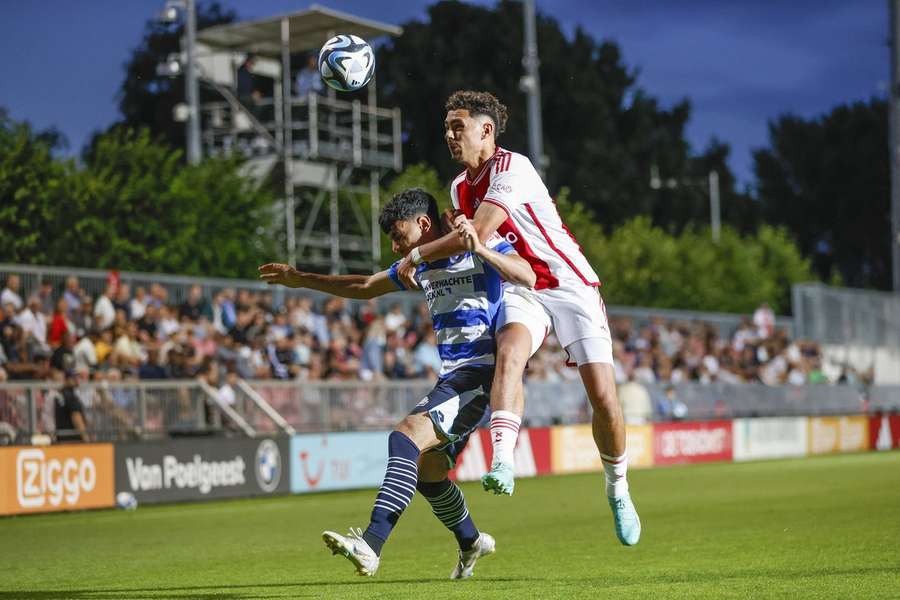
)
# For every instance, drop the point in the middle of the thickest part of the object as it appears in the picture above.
(171, 13)
(711, 184)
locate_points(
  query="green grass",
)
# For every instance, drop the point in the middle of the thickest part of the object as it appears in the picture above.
(815, 528)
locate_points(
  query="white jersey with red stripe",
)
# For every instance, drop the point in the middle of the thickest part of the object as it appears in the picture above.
(533, 225)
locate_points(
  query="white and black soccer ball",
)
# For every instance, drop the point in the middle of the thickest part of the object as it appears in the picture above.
(346, 63)
(126, 501)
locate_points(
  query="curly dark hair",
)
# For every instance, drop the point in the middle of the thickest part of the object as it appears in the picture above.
(480, 103)
(407, 205)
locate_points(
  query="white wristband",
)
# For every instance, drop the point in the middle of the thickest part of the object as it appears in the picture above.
(415, 256)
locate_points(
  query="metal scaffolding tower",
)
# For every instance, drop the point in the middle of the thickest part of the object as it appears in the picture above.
(329, 149)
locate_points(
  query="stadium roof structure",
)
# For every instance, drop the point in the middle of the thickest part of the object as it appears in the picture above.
(308, 29)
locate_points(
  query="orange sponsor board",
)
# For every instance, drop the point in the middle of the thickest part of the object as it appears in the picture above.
(838, 434)
(53, 478)
(639, 445)
(573, 449)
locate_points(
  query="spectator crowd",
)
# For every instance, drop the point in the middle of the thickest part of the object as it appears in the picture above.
(127, 334)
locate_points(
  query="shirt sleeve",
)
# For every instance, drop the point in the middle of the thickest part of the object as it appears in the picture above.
(513, 187)
(498, 244)
(392, 273)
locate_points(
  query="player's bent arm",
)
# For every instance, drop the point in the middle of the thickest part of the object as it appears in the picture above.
(512, 267)
(487, 218)
(360, 287)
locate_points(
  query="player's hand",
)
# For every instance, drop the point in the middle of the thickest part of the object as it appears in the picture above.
(466, 232)
(281, 274)
(406, 271)
(447, 219)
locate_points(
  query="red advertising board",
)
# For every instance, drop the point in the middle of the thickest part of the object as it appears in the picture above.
(532, 455)
(675, 443)
(884, 432)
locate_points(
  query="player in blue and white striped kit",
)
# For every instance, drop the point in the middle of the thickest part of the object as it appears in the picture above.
(465, 296)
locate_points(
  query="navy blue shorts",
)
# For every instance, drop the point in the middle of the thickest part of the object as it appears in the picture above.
(459, 402)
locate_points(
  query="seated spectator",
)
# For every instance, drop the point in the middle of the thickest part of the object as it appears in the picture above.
(72, 295)
(104, 310)
(60, 323)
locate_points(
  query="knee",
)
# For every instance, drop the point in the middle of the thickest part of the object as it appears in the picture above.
(605, 399)
(510, 357)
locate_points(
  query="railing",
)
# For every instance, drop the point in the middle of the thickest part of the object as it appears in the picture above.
(163, 409)
(847, 317)
(321, 128)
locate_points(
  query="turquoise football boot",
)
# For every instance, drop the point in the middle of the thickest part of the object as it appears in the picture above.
(628, 524)
(500, 480)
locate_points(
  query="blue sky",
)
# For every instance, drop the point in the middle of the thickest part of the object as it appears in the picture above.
(740, 62)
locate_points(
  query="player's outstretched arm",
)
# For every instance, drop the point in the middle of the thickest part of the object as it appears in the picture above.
(512, 267)
(346, 286)
(486, 220)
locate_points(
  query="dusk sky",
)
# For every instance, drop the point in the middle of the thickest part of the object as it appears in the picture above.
(740, 62)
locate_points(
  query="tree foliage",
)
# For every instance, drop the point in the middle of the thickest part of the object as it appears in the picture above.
(827, 180)
(134, 205)
(601, 131)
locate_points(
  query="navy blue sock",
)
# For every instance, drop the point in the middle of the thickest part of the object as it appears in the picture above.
(396, 491)
(449, 505)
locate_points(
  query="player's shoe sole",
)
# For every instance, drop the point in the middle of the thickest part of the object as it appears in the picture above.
(500, 480)
(628, 524)
(354, 549)
(483, 546)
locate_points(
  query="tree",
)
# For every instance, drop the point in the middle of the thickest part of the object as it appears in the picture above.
(147, 99)
(827, 180)
(32, 186)
(602, 132)
(134, 206)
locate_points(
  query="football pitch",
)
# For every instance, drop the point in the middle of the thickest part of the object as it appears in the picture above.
(814, 528)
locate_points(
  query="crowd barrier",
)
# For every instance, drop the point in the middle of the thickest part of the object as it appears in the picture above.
(36, 479)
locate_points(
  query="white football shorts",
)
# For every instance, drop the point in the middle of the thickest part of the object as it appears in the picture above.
(520, 305)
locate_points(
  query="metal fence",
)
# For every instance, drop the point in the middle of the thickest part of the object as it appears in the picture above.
(116, 411)
(166, 409)
(93, 281)
(847, 317)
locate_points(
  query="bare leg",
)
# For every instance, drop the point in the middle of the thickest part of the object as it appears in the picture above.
(608, 425)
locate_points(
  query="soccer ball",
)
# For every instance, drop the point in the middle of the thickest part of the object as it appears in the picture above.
(346, 63)
(126, 501)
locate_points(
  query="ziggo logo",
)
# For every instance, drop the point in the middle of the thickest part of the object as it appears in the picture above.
(39, 480)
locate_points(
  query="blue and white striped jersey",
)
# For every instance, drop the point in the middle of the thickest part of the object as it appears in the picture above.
(464, 294)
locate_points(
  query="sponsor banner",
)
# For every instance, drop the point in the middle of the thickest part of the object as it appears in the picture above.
(639, 445)
(532, 455)
(838, 434)
(201, 469)
(884, 432)
(574, 449)
(338, 461)
(676, 443)
(53, 478)
(780, 437)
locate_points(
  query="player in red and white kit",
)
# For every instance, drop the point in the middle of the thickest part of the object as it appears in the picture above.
(501, 192)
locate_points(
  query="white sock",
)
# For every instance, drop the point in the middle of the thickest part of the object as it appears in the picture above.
(504, 433)
(616, 468)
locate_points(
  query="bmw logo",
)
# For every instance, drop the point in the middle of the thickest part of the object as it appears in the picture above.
(268, 465)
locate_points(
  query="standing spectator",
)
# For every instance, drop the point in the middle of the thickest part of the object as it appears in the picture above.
(34, 325)
(138, 305)
(104, 310)
(45, 293)
(63, 358)
(247, 90)
(60, 324)
(195, 306)
(764, 319)
(395, 321)
(72, 295)
(122, 300)
(83, 317)
(10, 293)
(69, 413)
(309, 81)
